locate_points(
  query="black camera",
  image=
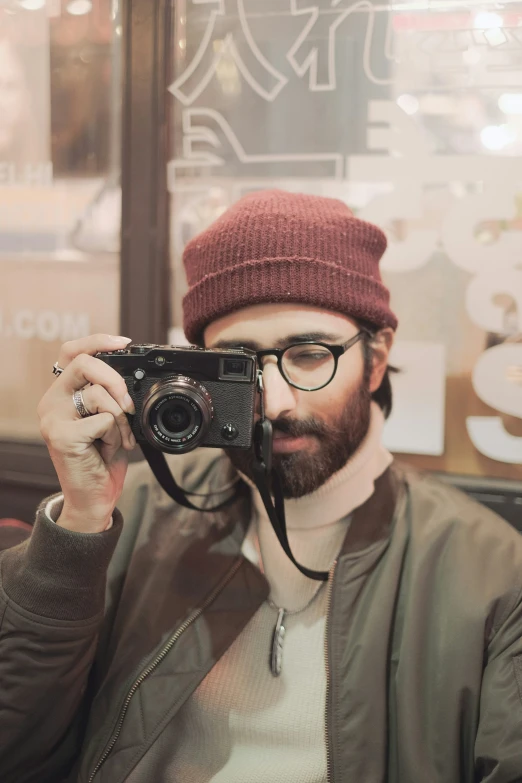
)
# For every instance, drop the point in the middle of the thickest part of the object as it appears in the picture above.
(188, 396)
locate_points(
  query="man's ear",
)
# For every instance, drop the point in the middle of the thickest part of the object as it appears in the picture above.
(380, 345)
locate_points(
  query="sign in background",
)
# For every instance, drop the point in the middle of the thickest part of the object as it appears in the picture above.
(412, 115)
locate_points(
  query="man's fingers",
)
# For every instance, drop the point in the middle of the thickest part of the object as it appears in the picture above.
(103, 427)
(98, 400)
(92, 344)
(74, 438)
(85, 369)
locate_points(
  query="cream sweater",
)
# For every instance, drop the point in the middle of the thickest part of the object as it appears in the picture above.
(242, 725)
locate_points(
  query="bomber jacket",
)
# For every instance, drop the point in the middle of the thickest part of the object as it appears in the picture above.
(103, 637)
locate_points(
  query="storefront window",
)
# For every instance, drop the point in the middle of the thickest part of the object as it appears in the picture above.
(411, 114)
(59, 190)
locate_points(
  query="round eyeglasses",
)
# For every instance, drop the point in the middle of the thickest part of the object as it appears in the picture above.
(310, 366)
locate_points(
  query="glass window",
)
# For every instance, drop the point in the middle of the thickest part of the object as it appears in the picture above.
(59, 190)
(412, 114)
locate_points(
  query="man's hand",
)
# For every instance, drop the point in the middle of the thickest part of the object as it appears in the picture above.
(89, 454)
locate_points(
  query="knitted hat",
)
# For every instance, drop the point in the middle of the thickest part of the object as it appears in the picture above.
(273, 246)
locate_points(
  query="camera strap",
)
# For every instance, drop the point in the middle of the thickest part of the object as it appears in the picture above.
(161, 470)
(264, 478)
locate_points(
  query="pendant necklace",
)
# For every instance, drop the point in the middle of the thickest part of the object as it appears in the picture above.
(278, 635)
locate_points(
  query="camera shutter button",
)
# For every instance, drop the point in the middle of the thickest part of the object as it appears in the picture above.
(139, 374)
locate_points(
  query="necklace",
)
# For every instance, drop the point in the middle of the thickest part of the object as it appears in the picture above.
(278, 635)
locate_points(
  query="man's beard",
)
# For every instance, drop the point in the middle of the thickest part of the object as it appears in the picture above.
(301, 472)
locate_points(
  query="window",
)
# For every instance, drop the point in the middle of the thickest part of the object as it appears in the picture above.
(60, 197)
(413, 117)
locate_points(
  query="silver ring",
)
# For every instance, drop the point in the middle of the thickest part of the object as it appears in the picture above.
(57, 370)
(80, 405)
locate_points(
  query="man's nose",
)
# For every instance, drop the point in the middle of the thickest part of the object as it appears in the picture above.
(280, 397)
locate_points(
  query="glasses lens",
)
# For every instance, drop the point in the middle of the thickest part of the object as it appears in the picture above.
(308, 366)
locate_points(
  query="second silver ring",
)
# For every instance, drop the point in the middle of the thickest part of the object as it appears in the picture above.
(79, 404)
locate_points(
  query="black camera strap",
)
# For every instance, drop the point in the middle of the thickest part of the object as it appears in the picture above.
(275, 510)
(161, 470)
(264, 478)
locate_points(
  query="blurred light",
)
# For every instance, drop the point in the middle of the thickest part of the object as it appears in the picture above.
(32, 5)
(495, 36)
(408, 103)
(510, 103)
(486, 20)
(496, 137)
(79, 7)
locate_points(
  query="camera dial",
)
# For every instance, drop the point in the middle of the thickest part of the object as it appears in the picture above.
(140, 348)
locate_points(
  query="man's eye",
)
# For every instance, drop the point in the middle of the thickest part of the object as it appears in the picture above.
(304, 357)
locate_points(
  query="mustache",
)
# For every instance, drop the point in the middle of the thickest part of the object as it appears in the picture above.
(299, 429)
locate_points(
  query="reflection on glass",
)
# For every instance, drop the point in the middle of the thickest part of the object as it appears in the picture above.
(59, 191)
(18, 140)
(413, 117)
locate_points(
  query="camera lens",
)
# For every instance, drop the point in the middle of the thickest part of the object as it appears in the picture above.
(176, 415)
(176, 418)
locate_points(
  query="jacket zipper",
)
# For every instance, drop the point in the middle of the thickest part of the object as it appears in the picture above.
(157, 660)
(329, 776)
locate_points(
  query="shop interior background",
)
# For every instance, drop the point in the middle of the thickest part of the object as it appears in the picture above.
(409, 112)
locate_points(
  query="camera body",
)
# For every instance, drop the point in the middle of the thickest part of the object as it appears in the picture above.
(186, 396)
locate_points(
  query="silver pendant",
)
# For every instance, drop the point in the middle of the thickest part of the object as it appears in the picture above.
(276, 654)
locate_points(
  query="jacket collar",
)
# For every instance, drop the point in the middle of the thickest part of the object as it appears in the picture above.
(372, 522)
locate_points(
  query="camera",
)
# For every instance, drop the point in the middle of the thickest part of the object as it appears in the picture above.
(186, 396)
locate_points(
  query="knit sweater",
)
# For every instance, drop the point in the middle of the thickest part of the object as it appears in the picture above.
(242, 724)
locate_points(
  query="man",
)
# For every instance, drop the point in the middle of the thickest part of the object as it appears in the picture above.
(406, 666)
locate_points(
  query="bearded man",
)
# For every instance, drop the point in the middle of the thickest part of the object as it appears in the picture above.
(137, 637)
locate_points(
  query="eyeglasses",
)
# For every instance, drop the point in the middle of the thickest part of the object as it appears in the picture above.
(310, 366)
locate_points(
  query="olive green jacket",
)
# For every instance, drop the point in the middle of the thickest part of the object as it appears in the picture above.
(423, 647)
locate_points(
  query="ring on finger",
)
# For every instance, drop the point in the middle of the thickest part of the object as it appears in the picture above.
(57, 370)
(79, 404)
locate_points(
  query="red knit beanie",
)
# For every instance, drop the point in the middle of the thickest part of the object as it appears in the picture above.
(273, 246)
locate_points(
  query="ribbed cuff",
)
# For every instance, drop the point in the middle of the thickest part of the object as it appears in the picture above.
(54, 506)
(58, 573)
